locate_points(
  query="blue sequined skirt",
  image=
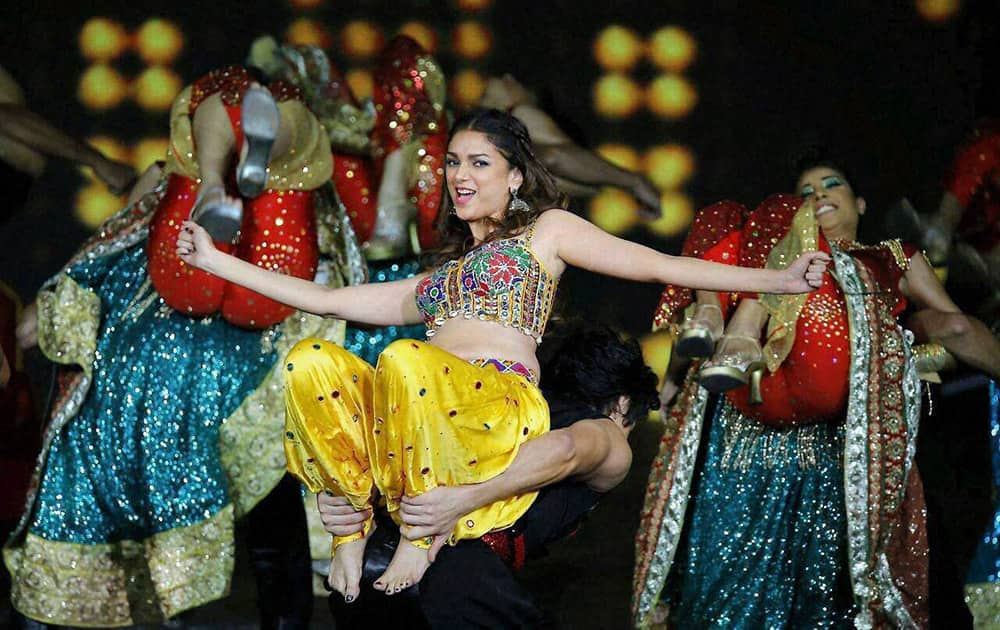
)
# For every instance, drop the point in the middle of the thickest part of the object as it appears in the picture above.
(142, 455)
(765, 543)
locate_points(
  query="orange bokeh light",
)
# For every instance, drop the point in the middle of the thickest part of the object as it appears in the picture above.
(671, 96)
(112, 148)
(938, 10)
(618, 48)
(101, 87)
(471, 40)
(672, 48)
(616, 96)
(620, 155)
(614, 211)
(102, 39)
(361, 39)
(154, 90)
(656, 348)
(147, 151)
(669, 166)
(422, 34)
(466, 88)
(159, 41)
(306, 32)
(305, 5)
(94, 204)
(678, 212)
(474, 5)
(361, 83)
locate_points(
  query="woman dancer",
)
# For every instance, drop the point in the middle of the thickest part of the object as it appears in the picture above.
(826, 457)
(456, 409)
(157, 440)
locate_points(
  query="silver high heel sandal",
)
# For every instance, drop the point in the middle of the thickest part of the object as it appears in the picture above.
(260, 119)
(729, 370)
(700, 332)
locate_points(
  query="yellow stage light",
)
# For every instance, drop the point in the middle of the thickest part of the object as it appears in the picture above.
(422, 34)
(671, 96)
(361, 83)
(361, 39)
(112, 148)
(616, 96)
(159, 41)
(94, 204)
(669, 166)
(101, 87)
(620, 155)
(938, 10)
(614, 211)
(154, 90)
(672, 49)
(306, 32)
(466, 88)
(656, 348)
(147, 151)
(677, 215)
(305, 5)
(102, 39)
(618, 48)
(471, 40)
(474, 5)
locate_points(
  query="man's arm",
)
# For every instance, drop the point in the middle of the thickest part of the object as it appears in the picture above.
(594, 451)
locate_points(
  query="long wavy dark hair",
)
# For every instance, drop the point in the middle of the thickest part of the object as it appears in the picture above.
(539, 190)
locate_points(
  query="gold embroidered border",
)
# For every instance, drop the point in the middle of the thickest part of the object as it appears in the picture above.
(126, 583)
(983, 600)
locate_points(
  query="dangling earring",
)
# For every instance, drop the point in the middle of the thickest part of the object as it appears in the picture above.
(516, 203)
(452, 210)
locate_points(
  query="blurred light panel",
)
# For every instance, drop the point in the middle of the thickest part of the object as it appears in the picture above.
(361, 82)
(617, 96)
(306, 32)
(159, 41)
(472, 6)
(361, 39)
(678, 212)
(617, 48)
(671, 96)
(422, 34)
(671, 48)
(669, 166)
(147, 151)
(101, 87)
(102, 40)
(620, 155)
(938, 10)
(155, 88)
(656, 348)
(471, 40)
(614, 211)
(94, 204)
(466, 88)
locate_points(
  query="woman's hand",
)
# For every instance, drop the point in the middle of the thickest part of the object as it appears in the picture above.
(339, 516)
(806, 272)
(195, 246)
(27, 327)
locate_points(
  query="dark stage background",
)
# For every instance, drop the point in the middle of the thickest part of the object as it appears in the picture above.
(891, 86)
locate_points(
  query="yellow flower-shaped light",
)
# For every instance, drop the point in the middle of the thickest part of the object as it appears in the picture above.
(466, 88)
(616, 96)
(155, 89)
(671, 96)
(669, 166)
(618, 48)
(101, 87)
(672, 49)
(101, 39)
(678, 213)
(471, 40)
(620, 155)
(159, 41)
(614, 211)
(361, 39)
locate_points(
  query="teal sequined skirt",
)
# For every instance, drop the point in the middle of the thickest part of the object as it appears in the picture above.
(765, 543)
(368, 343)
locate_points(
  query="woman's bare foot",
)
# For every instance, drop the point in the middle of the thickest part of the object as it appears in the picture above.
(406, 568)
(346, 567)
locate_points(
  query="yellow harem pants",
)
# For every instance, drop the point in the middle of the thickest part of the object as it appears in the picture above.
(421, 419)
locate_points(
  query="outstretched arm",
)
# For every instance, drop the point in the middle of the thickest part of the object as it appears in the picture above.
(382, 304)
(942, 322)
(594, 451)
(581, 244)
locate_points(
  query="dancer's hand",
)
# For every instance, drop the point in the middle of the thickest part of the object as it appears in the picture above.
(436, 512)
(806, 272)
(27, 327)
(667, 394)
(195, 246)
(339, 516)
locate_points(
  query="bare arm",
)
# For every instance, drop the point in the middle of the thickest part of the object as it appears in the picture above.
(581, 244)
(22, 125)
(382, 304)
(942, 322)
(594, 451)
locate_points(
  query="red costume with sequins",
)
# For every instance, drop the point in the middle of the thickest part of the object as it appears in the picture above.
(278, 230)
(409, 107)
(975, 181)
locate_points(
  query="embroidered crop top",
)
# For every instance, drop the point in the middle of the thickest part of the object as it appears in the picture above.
(500, 281)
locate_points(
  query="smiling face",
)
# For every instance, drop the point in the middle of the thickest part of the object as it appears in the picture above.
(479, 177)
(838, 209)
